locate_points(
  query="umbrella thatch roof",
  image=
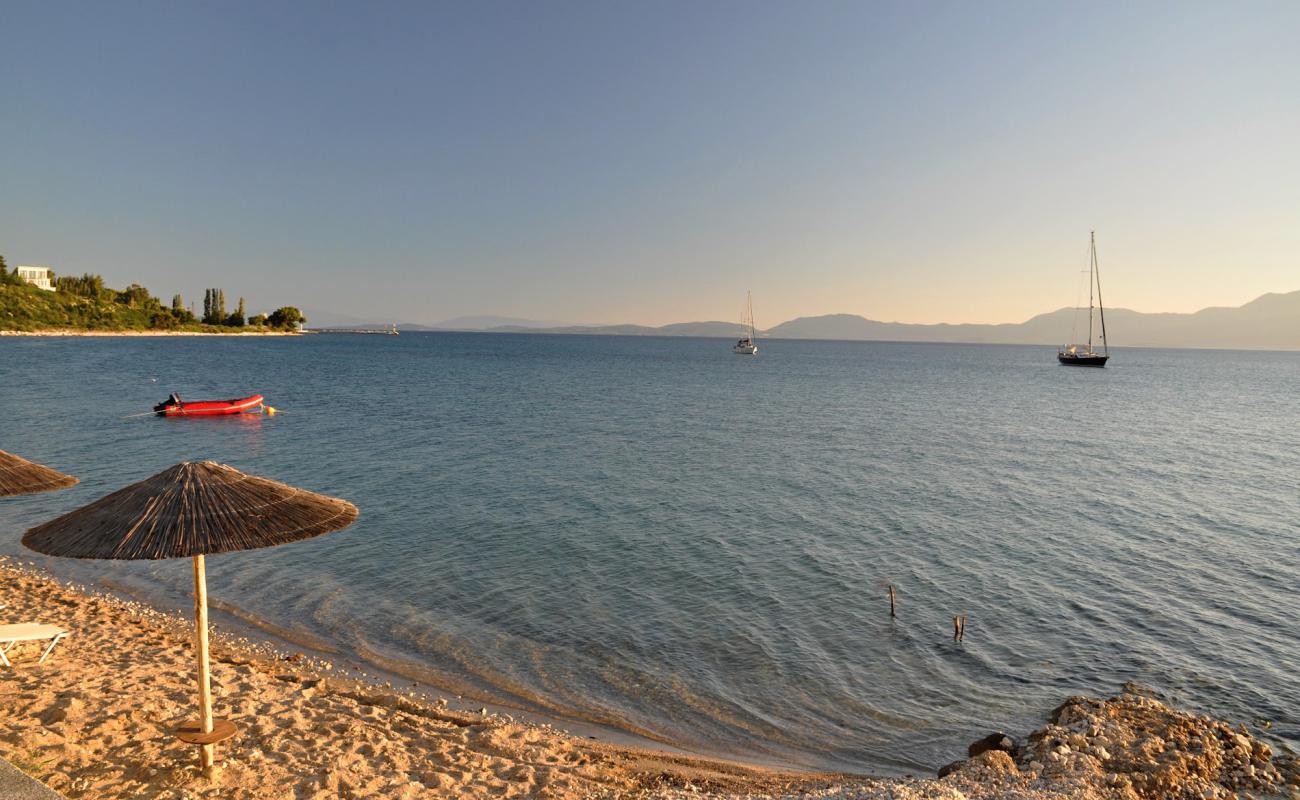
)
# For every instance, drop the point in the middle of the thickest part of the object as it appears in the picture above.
(194, 508)
(20, 476)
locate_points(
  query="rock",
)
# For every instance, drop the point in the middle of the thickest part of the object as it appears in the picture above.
(983, 766)
(994, 741)
(1289, 768)
(993, 761)
(949, 769)
(1062, 712)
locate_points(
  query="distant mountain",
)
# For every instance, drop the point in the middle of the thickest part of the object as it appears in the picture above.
(596, 330)
(720, 329)
(318, 318)
(1270, 322)
(485, 322)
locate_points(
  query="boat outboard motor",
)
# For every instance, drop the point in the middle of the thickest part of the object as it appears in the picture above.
(173, 400)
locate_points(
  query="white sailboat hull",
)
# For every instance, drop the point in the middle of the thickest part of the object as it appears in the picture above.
(746, 344)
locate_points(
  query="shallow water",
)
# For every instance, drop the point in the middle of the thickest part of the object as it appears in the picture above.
(660, 536)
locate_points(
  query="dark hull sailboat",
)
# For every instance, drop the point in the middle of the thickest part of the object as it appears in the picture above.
(1083, 355)
(1082, 359)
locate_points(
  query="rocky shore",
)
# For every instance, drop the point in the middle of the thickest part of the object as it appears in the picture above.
(1128, 747)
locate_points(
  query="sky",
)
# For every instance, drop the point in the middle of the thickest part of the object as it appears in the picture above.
(618, 162)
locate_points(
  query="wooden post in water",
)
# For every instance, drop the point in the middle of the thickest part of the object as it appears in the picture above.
(956, 628)
(207, 752)
(891, 601)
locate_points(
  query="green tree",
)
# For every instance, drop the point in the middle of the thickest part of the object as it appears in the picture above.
(87, 285)
(178, 303)
(285, 317)
(6, 276)
(257, 319)
(162, 319)
(236, 320)
(214, 307)
(136, 296)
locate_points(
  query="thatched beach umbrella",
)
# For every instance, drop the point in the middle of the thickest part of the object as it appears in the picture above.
(20, 476)
(188, 511)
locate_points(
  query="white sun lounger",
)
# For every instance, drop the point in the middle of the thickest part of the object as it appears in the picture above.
(11, 635)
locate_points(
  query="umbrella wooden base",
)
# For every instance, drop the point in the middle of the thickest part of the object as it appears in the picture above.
(192, 732)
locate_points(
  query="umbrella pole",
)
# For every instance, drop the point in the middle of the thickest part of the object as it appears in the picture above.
(206, 757)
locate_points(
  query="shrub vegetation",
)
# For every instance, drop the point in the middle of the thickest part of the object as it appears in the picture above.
(85, 303)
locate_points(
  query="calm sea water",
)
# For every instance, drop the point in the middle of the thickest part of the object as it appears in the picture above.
(665, 538)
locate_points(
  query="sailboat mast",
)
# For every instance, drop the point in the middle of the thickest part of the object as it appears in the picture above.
(1092, 265)
(749, 309)
(1101, 307)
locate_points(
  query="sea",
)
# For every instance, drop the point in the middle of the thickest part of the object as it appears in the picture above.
(654, 540)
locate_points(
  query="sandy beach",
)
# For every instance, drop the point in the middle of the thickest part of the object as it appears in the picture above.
(77, 332)
(94, 720)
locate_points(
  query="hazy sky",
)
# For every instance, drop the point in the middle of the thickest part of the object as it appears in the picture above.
(648, 162)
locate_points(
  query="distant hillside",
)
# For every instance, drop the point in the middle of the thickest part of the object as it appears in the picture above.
(1271, 322)
(721, 329)
(27, 308)
(486, 322)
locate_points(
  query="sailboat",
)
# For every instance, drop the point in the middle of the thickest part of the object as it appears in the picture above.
(1083, 355)
(747, 344)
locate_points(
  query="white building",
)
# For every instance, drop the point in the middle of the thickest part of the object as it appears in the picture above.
(40, 277)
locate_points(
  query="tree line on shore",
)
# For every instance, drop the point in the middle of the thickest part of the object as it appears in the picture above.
(151, 311)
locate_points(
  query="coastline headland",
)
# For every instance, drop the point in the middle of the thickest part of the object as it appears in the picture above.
(93, 721)
(63, 332)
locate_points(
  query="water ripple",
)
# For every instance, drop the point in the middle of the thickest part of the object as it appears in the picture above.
(654, 535)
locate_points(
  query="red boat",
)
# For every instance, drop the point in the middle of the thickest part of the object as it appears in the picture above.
(175, 407)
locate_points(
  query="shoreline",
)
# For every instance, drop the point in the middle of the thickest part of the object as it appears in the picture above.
(94, 720)
(372, 668)
(62, 332)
